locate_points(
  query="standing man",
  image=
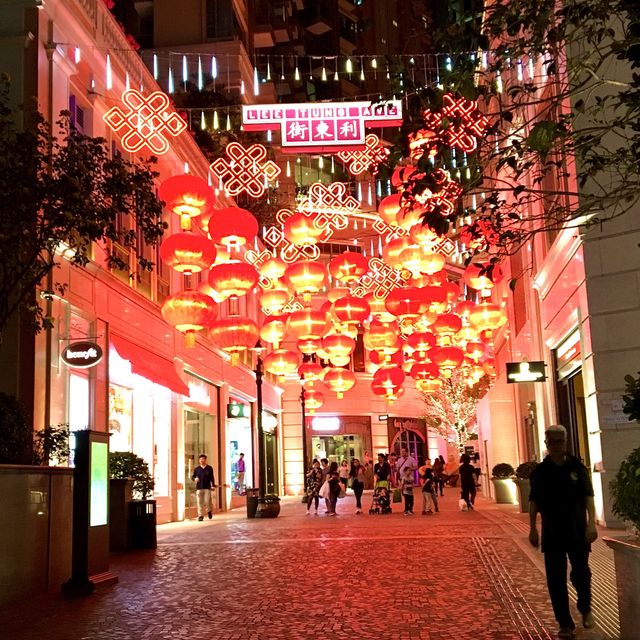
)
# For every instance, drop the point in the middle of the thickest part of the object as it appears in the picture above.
(241, 469)
(561, 491)
(205, 481)
(404, 462)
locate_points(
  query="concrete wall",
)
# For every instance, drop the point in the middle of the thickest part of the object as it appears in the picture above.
(35, 539)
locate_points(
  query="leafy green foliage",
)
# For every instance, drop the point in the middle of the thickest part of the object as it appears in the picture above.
(503, 471)
(524, 470)
(625, 489)
(62, 195)
(51, 444)
(129, 466)
(16, 432)
(632, 397)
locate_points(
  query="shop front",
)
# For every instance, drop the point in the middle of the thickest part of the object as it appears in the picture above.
(270, 435)
(239, 441)
(410, 433)
(339, 438)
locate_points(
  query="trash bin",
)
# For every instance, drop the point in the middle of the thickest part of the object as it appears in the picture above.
(142, 524)
(252, 502)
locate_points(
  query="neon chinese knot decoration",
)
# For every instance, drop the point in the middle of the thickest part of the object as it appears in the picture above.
(381, 280)
(246, 170)
(465, 123)
(332, 199)
(146, 123)
(367, 159)
(445, 199)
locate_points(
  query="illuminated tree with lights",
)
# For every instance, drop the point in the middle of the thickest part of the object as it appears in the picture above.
(451, 412)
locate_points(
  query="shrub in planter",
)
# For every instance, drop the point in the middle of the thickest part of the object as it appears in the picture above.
(503, 471)
(625, 490)
(524, 470)
(128, 466)
(51, 444)
(16, 432)
(523, 473)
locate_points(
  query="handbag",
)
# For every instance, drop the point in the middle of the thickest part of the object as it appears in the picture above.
(325, 490)
(397, 495)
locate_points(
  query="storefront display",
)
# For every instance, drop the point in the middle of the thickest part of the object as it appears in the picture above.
(339, 438)
(239, 440)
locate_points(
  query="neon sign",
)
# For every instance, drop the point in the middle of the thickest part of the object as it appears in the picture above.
(322, 126)
(366, 159)
(246, 170)
(146, 122)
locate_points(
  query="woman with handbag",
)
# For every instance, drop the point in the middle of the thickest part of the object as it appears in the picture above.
(314, 482)
(357, 482)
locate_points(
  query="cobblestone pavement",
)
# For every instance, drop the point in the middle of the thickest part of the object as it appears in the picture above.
(449, 576)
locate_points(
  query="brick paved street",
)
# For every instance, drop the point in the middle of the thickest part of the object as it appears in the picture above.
(449, 576)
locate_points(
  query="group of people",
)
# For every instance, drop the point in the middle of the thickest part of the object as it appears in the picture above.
(330, 481)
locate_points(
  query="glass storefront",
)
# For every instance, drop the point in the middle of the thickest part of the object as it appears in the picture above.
(239, 440)
(337, 448)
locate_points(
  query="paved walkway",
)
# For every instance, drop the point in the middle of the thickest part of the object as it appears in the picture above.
(450, 576)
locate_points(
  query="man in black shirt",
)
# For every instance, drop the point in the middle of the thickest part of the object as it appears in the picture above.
(561, 491)
(205, 481)
(381, 470)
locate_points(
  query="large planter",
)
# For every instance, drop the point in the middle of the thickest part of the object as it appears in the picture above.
(268, 507)
(504, 490)
(626, 554)
(523, 487)
(120, 490)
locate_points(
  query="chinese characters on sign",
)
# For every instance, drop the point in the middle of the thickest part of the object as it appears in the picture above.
(322, 126)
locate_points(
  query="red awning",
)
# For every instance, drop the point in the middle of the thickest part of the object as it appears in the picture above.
(150, 365)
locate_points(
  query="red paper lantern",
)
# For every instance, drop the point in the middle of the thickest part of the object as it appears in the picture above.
(310, 372)
(348, 267)
(300, 229)
(447, 324)
(313, 400)
(233, 279)
(274, 330)
(379, 359)
(388, 380)
(382, 338)
(188, 252)
(339, 346)
(306, 277)
(472, 276)
(339, 380)
(274, 300)
(487, 316)
(421, 342)
(392, 251)
(351, 310)
(305, 324)
(378, 308)
(233, 227)
(389, 208)
(309, 346)
(187, 196)
(273, 268)
(475, 350)
(233, 335)
(189, 311)
(404, 302)
(425, 371)
(281, 362)
(429, 386)
(447, 358)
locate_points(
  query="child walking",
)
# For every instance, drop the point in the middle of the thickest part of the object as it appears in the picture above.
(429, 493)
(406, 484)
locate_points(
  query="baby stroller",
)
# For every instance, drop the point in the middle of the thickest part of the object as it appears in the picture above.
(381, 502)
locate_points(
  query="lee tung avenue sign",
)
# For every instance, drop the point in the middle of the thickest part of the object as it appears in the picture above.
(82, 355)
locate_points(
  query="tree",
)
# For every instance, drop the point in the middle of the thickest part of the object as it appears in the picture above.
(61, 195)
(557, 81)
(451, 412)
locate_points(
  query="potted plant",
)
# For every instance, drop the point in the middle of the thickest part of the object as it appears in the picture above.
(625, 493)
(523, 473)
(268, 506)
(132, 517)
(504, 489)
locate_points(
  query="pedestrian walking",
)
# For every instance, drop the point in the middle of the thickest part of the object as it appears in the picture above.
(406, 485)
(324, 467)
(562, 493)
(467, 473)
(240, 471)
(357, 475)
(404, 462)
(343, 472)
(438, 474)
(429, 493)
(333, 477)
(314, 482)
(205, 482)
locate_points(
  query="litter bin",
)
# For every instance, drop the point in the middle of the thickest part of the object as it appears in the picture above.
(252, 502)
(142, 524)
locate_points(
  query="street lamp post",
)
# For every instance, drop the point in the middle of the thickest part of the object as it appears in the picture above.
(259, 371)
(303, 399)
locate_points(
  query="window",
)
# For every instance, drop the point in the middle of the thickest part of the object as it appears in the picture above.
(220, 19)
(77, 117)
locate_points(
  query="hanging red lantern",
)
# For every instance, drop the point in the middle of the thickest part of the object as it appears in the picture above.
(313, 400)
(421, 342)
(348, 267)
(233, 227)
(392, 251)
(404, 302)
(476, 350)
(337, 345)
(378, 308)
(233, 335)
(402, 174)
(489, 367)
(351, 310)
(233, 279)
(274, 300)
(475, 279)
(452, 291)
(281, 362)
(187, 252)
(425, 371)
(274, 330)
(309, 346)
(435, 298)
(310, 372)
(382, 338)
(389, 208)
(189, 311)
(339, 380)
(187, 196)
(305, 277)
(423, 235)
(387, 380)
(378, 359)
(447, 358)
(429, 386)
(487, 316)
(447, 324)
(305, 324)
(465, 307)
(272, 268)
(300, 229)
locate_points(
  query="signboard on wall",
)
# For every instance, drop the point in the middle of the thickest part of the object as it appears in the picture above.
(525, 372)
(322, 126)
(82, 355)
(238, 410)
